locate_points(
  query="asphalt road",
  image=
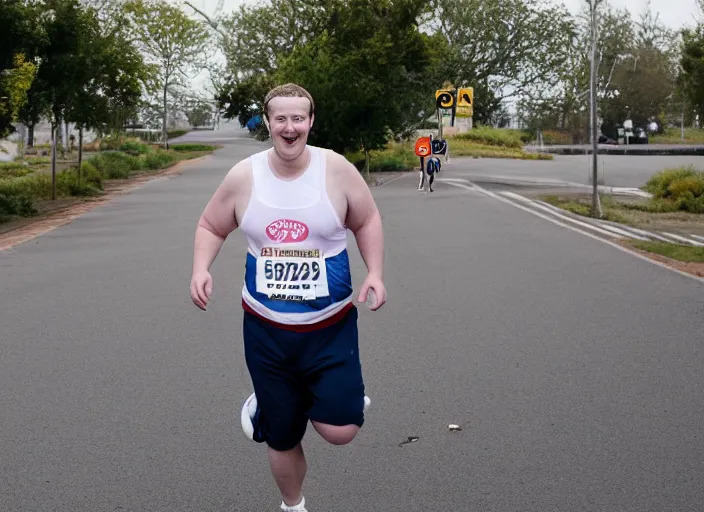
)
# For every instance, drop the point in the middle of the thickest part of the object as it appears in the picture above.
(614, 170)
(574, 369)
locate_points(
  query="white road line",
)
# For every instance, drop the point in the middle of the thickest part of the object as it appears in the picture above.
(577, 230)
(564, 217)
(683, 239)
(456, 180)
(606, 225)
(649, 234)
(624, 232)
(698, 237)
(616, 229)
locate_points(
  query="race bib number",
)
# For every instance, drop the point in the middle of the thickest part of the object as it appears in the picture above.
(292, 274)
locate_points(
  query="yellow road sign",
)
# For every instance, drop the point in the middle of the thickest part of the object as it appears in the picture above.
(465, 97)
(444, 98)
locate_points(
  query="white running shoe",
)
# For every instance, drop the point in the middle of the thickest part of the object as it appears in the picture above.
(301, 507)
(249, 411)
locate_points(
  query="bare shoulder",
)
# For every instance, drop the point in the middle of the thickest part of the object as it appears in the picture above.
(342, 170)
(239, 175)
(348, 191)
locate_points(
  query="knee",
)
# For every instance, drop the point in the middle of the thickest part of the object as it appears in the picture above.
(336, 435)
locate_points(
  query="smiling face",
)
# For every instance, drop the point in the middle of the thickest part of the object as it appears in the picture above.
(289, 121)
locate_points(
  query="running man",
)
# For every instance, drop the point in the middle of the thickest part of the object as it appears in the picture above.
(294, 203)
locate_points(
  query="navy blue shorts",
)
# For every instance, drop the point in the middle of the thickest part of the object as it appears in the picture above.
(301, 376)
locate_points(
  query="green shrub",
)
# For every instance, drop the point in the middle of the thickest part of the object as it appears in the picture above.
(116, 165)
(158, 160)
(676, 189)
(91, 175)
(67, 184)
(33, 185)
(135, 148)
(689, 187)
(191, 147)
(659, 183)
(21, 206)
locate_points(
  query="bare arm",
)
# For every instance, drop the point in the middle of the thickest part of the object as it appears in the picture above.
(216, 222)
(364, 220)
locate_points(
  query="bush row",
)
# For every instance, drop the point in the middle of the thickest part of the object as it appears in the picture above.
(18, 191)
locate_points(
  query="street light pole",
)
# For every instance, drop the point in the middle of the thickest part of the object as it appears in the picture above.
(596, 204)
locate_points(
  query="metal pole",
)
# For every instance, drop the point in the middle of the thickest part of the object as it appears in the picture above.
(596, 204)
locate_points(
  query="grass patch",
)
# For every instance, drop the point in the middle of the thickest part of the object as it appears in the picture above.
(398, 157)
(172, 134)
(189, 147)
(487, 136)
(13, 170)
(460, 147)
(674, 136)
(612, 210)
(686, 253)
(395, 157)
(38, 160)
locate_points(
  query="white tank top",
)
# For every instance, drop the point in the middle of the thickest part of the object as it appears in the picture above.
(297, 270)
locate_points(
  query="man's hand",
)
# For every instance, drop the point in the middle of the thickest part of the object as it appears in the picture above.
(201, 288)
(375, 283)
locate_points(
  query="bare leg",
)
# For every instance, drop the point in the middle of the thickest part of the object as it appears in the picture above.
(336, 435)
(289, 469)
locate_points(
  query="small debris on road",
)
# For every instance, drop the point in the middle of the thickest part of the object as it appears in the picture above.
(454, 428)
(411, 439)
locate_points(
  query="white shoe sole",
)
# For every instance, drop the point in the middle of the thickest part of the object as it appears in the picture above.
(248, 410)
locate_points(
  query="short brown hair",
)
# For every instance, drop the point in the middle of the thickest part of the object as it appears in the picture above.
(288, 91)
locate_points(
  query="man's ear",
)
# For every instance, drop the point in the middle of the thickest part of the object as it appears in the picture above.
(312, 118)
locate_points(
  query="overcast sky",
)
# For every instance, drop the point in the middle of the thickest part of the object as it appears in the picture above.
(674, 13)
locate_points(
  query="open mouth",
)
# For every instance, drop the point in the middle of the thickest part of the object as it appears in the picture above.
(289, 140)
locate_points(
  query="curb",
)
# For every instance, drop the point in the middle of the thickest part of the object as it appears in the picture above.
(632, 150)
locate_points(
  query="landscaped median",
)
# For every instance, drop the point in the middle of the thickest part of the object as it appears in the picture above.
(26, 186)
(480, 142)
(674, 210)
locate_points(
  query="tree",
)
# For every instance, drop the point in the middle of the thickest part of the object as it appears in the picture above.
(172, 42)
(255, 39)
(18, 39)
(14, 84)
(366, 72)
(691, 79)
(503, 48)
(199, 114)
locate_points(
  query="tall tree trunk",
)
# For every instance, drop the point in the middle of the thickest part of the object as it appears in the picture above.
(80, 153)
(65, 136)
(54, 128)
(164, 133)
(30, 135)
(366, 164)
(23, 140)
